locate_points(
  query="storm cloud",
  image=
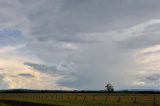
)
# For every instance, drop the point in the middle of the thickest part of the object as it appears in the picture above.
(80, 44)
(25, 75)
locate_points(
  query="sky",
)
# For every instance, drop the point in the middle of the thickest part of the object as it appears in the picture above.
(79, 44)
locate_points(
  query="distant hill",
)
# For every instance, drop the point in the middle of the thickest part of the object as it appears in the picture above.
(149, 91)
(49, 91)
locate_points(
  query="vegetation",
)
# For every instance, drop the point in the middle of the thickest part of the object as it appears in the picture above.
(2, 104)
(86, 99)
(109, 87)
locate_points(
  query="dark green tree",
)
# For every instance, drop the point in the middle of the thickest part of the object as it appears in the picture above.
(109, 87)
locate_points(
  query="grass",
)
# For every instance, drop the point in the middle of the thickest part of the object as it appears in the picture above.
(88, 99)
(2, 104)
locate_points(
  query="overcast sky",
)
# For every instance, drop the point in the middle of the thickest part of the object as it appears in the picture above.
(79, 44)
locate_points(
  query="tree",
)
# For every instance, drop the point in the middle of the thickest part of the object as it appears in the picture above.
(109, 87)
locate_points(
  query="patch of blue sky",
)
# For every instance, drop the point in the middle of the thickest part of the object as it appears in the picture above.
(11, 37)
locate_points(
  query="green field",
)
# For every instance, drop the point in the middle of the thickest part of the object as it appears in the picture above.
(86, 99)
(1, 104)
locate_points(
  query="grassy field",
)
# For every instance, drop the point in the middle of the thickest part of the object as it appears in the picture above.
(86, 99)
(2, 104)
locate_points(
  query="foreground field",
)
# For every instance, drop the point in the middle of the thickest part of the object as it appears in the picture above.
(85, 99)
(2, 104)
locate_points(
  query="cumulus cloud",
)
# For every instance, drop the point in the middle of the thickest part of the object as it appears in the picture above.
(16, 75)
(148, 66)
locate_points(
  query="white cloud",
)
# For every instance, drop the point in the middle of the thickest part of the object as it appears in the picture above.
(12, 71)
(139, 83)
(10, 48)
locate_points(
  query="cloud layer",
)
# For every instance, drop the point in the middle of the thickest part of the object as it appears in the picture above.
(80, 44)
